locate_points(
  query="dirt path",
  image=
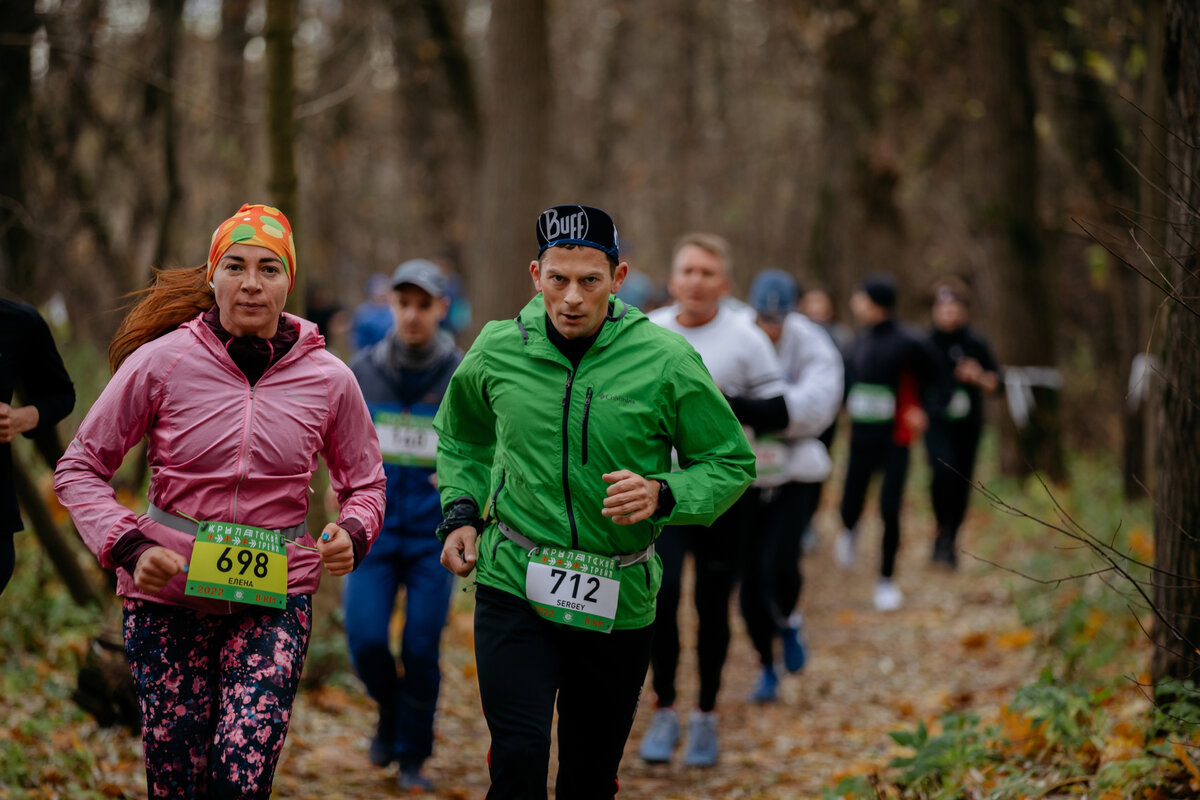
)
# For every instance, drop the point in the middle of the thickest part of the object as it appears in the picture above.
(951, 646)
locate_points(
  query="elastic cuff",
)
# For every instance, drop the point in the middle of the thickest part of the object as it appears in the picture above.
(358, 537)
(129, 548)
(461, 511)
(666, 499)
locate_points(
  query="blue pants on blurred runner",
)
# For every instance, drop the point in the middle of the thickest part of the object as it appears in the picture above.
(407, 696)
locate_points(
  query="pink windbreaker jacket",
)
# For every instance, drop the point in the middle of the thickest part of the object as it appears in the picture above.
(220, 450)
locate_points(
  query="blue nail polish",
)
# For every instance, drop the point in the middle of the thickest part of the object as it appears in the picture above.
(324, 537)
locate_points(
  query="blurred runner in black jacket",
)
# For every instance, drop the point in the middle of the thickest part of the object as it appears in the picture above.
(966, 369)
(30, 364)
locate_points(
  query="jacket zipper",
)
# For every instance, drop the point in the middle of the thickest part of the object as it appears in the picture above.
(250, 429)
(245, 456)
(587, 408)
(566, 403)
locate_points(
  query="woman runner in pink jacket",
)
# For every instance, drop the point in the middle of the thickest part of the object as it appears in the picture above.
(236, 403)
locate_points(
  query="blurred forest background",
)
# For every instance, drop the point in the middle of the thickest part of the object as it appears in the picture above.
(1047, 152)
(830, 138)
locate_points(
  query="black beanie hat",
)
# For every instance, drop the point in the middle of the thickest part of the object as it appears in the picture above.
(579, 225)
(881, 288)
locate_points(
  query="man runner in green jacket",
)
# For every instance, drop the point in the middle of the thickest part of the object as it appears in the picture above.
(560, 426)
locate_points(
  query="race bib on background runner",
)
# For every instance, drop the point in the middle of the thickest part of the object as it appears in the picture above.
(406, 439)
(770, 455)
(959, 406)
(573, 588)
(871, 402)
(238, 563)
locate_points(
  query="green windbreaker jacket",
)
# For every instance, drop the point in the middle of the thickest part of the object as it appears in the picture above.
(529, 439)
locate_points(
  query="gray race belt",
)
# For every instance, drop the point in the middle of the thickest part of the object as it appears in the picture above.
(622, 560)
(185, 525)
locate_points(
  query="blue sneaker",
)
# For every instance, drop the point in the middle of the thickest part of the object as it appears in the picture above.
(795, 654)
(702, 740)
(661, 737)
(767, 688)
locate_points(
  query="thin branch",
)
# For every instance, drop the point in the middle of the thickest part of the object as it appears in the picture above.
(1090, 541)
(1169, 292)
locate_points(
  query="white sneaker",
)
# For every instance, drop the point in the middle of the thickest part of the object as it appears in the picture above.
(887, 595)
(843, 549)
(808, 540)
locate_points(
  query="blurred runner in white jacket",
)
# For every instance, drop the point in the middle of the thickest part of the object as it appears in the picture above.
(791, 466)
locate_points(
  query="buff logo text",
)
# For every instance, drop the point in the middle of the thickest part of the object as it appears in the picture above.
(574, 226)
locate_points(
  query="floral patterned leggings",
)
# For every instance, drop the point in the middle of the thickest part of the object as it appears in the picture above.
(216, 694)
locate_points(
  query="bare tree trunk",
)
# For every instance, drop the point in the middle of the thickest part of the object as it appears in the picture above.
(857, 227)
(171, 12)
(440, 116)
(280, 103)
(1177, 510)
(79, 582)
(231, 53)
(231, 140)
(516, 144)
(18, 261)
(677, 205)
(1021, 278)
(1151, 149)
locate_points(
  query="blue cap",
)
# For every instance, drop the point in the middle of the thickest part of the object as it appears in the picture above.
(773, 293)
(636, 289)
(578, 225)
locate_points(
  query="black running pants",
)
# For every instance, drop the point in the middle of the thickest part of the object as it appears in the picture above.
(771, 577)
(525, 663)
(952, 447)
(716, 552)
(865, 461)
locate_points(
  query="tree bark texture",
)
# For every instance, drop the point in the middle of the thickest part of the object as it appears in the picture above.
(1177, 507)
(1141, 419)
(516, 145)
(1021, 279)
(171, 12)
(439, 117)
(857, 227)
(280, 103)
(18, 257)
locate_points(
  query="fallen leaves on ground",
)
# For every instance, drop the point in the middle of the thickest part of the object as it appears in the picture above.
(956, 642)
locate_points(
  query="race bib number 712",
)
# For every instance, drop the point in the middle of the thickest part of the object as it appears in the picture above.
(573, 588)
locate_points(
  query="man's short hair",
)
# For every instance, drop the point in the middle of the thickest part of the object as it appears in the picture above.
(710, 243)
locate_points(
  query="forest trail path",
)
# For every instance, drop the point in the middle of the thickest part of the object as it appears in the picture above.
(956, 643)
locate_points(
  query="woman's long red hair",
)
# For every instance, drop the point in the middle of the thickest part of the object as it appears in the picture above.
(176, 296)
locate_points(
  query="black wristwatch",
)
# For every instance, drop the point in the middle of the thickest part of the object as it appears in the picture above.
(666, 500)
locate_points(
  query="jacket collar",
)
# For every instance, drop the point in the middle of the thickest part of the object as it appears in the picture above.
(309, 339)
(531, 322)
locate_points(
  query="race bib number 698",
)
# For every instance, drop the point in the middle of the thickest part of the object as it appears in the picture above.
(238, 563)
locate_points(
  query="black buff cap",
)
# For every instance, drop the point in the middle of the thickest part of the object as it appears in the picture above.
(579, 225)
